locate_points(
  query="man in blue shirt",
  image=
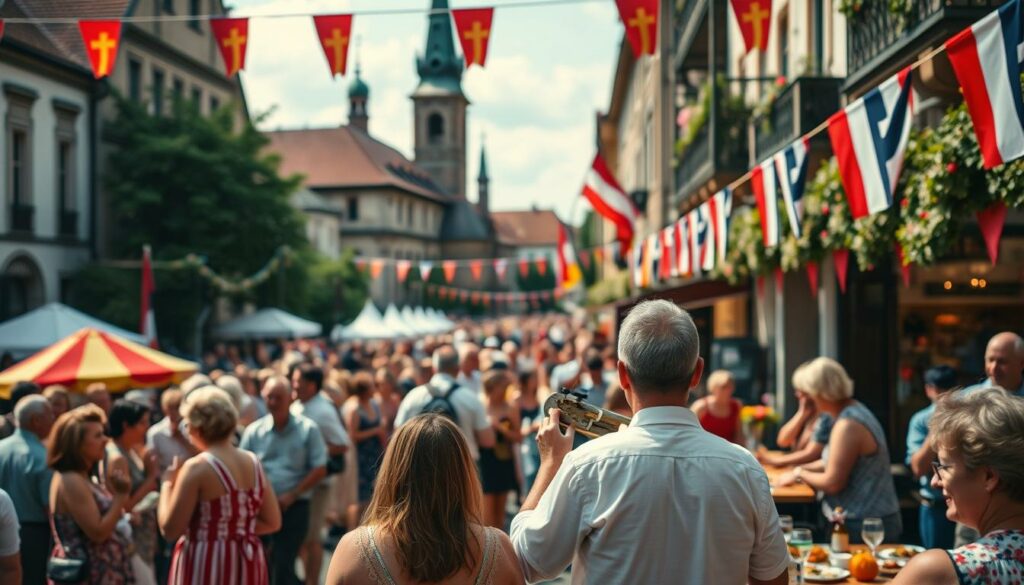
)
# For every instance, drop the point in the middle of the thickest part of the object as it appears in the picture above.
(26, 478)
(294, 458)
(936, 530)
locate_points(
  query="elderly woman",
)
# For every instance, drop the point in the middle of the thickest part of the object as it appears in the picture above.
(979, 439)
(719, 412)
(853, 471)
(423, 524)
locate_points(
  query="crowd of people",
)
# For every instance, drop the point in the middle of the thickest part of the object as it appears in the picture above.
(409, 459)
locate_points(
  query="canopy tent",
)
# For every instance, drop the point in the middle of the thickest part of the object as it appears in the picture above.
(423, 322)
(26, 334)
(394, 322)
(267, 323)
(367, 325)
(89, 356)
(443, 323)
(409, 317)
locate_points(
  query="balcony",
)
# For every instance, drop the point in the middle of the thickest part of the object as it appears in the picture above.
(798, 109)
(21, 217)
(690, 23)
(880, 41)
(68, 224)
(716, 154)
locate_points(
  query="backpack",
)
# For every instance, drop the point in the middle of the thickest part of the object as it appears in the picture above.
(443, 405)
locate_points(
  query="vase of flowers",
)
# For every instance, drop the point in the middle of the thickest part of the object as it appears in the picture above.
(754, 420)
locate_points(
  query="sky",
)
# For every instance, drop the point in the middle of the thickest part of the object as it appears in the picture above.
(549, 71)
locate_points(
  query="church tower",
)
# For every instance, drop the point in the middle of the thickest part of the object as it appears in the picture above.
(439, 106)
(358, 95)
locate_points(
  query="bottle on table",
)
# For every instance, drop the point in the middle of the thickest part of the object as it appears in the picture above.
(840, 535)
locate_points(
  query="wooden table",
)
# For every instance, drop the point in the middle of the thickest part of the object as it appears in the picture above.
(798, 493)
(855, 548)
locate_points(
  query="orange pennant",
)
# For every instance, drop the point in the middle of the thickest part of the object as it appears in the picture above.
(475, 268)
(487, 300)
(524, 268)
(402, 269)
(542, 266)
(101, 38)
(599, 254)
(473, 26)
(464, 295)
(475, 298)
(334, 31)
(360, 264)
(449, 267)
(232, 35)
(375, 268)
(641, 20)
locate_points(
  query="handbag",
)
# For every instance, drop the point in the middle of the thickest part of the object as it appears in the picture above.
(62, 569)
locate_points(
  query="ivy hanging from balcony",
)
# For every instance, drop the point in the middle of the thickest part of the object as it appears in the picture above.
(733, 115)
(854, 8)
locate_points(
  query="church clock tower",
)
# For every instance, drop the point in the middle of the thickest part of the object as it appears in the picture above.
(439, 106)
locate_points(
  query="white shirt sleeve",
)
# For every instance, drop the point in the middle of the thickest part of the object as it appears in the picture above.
(770, 556)
(480, 422)
(545, 538)
(9, 541)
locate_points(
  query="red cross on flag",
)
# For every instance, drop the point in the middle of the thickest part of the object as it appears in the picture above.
(755, 20)
(640, 18)
(232, 36)
(101, 38)
(334, 32)
(473, 26)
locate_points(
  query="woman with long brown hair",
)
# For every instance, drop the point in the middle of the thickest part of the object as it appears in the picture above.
(423, 524)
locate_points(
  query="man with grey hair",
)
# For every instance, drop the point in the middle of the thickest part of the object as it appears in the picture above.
(661, 500)
(26, 478)
(444, 393)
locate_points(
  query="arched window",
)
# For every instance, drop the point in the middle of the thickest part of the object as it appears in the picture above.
(435, 129)
(22, 287)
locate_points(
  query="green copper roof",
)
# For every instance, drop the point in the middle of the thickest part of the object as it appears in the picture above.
(358, 87)
(440, 66)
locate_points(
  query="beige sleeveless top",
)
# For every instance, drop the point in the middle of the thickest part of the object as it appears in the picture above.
(379, 572)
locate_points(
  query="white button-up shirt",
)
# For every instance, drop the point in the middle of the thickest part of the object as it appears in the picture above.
(662, 501)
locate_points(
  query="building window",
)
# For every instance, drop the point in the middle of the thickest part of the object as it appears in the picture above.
(158, 91)
(179, 89)
(193, 10)
(398, 212)
(214, 104)
(353, 208)
(197, 97)
(65, 175)
(168, 6)
(135, 80)
(408, 213)
(18, 161)
(435, 129)
(19, 167)
(784, 44)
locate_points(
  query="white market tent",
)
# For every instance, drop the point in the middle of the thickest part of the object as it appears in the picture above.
(26, 334)
(267, 323)
(396, 324)
(423, 322)
(443, 323)
(367, 325)
(409, 316)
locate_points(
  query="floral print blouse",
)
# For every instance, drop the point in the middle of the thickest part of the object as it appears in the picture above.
(995, 559)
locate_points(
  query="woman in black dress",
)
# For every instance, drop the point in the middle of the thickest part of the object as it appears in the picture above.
(497, 465)
(368, 430)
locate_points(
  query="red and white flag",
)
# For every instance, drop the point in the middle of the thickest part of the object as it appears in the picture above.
(147, 319)
(762, 178)
(610, 201)
(721, 208)
(669, 266)
(402, 268)
(569, 274)
(425, 268)
(986, 61)
(500, 268)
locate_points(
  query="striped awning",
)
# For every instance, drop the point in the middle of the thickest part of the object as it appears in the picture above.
(89, 356)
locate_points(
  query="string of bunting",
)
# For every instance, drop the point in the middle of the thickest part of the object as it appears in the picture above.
(486, 298)
(101, 37)
(281, 259)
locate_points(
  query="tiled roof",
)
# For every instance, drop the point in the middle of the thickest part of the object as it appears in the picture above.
(348, 157)
(60, 41)
(535, 227)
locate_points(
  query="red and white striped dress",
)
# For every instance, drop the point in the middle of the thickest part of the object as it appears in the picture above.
(221, 545)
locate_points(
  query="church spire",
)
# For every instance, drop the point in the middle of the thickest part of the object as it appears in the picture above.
(439, 65)
(483, 203)
(358, 96)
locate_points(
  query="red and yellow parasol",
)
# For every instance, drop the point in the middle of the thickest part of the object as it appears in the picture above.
(89, 356)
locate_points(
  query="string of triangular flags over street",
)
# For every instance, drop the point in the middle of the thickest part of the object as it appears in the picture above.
(869, 138)
(334, 32)
(487, 298)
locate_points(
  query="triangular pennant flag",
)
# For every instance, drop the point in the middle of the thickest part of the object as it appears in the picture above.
(812, 277)
(991, 221)
(610, 201)
(791, 167)
(334, 32)
(524, 267)
(486, 299)
(476, 268)
(904, 268)
(402, 268)
(425, 268)
(754, 18)
(464, 295)
(585, 259)
(986, 61)
(501, 268)
(569, 274)
(449, 267)
(473, 27)
(376, 266)
(475, 297)
(101, 39)
(232, 36)
(841, 258)
(869, 138)
(705, 237)
(361, 264)
(762, 179)
(542, 265)
(721, 209)
(599, 254)
(640, 18)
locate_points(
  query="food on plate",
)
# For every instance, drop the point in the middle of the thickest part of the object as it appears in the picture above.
(817, 555)
(863, 566)
(903, 552)
(824, 573)
(891, 567)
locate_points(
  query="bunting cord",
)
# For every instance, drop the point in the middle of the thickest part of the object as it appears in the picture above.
(371, 12)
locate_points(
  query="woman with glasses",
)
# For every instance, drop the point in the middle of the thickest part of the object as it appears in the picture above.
(979, 439)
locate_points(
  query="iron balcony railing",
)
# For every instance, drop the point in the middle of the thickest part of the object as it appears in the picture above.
(799, 108)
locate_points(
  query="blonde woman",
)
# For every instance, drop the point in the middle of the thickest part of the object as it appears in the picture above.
(719, 412)
(423, 523)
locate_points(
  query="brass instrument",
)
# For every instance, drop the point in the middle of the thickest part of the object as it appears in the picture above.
(589, 420)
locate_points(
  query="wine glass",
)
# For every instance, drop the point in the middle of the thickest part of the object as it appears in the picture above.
(801, 539)
(873, 532)
(786, 522)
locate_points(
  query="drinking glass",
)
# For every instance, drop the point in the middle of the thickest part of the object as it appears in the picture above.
(786, 522)
(873, 532)
(802, 540)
